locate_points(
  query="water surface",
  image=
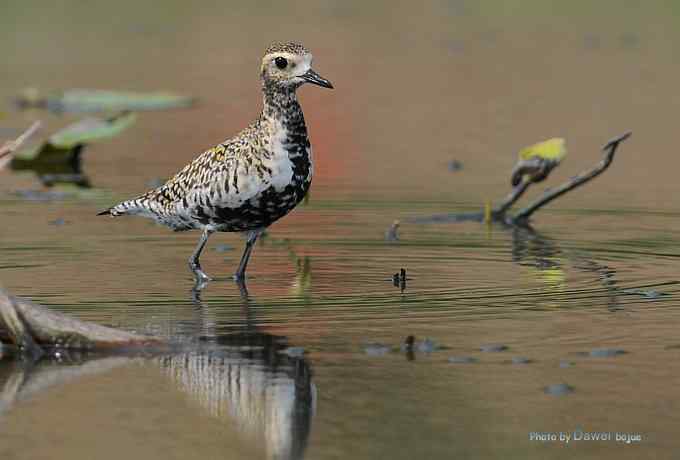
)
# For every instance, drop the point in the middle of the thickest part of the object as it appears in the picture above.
(416, 87)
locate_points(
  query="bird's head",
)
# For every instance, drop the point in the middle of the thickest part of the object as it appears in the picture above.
(289, 65)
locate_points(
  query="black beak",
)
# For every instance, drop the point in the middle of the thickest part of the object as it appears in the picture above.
(312, 77)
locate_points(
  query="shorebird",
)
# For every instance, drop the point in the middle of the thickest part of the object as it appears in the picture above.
(245, 183)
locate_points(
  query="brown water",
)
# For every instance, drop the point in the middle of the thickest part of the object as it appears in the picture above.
(416, 87)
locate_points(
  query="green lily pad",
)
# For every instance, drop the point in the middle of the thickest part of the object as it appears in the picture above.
(58, 160)
(94, 100)
(91, 129)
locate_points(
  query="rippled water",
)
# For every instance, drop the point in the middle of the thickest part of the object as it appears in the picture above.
(311, 364)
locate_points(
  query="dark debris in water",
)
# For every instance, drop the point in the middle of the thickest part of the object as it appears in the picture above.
(421, 346)
(455, 165)
(448, 218)
(606, 352)
(78, 179)
(462, 360)
(223, 248)
(646, 293)
(493, 348)
(558, 389)
(42, 195)
(399, 279)
(409, 346)
(377, 349)
(426, 346)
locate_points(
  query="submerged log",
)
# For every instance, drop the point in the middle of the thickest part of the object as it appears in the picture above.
(32, 328)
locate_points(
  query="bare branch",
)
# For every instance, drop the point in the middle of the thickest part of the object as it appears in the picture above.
(516, 193)
(610, 149)
(8, 148)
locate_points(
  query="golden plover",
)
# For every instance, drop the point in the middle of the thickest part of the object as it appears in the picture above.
(249, 181)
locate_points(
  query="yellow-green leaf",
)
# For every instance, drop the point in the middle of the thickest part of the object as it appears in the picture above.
(553, 149)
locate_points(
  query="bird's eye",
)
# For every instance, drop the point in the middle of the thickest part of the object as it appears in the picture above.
(281, 62)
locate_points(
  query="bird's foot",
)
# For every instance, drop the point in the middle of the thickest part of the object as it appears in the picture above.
(201, 278)
(199, 275)
(199, 285)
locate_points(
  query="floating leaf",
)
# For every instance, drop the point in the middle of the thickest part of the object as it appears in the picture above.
(91, 129)
(553, 149)
(58, 160)
(93, 100)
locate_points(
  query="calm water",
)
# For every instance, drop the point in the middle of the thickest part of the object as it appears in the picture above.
(416, 87)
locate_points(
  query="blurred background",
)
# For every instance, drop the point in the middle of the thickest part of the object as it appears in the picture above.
(432, 102)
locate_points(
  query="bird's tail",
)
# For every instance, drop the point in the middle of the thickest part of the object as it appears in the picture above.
(138, 205)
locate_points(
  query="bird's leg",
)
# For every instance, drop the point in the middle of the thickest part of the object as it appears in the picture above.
(240, 274)
(195, 265)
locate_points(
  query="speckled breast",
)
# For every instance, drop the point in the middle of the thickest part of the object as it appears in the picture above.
(270, 204)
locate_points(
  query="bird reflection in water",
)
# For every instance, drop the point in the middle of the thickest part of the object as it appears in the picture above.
(244, 379)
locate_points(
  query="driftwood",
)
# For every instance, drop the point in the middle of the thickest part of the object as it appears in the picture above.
(33, 328)
(8, 148)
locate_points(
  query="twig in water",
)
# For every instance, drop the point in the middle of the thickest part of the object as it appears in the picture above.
(610, 149)
(392, 233)
(399, 279)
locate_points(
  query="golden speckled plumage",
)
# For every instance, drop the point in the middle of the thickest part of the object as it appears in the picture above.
(251, 180)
